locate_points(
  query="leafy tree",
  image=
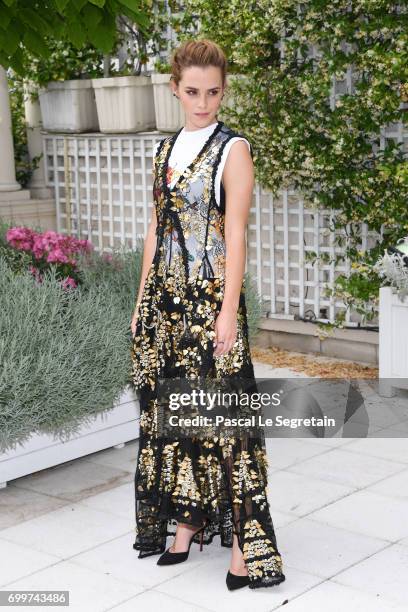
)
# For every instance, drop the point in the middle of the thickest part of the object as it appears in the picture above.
(25, 25)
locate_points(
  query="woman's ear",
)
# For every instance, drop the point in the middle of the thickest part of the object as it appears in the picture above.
(173, 87)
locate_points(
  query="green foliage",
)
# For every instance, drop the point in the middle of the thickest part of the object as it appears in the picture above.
(336, 152)
(393, 270)
(117, 272)
(162, 67)
(17, 261)
(27, 25)
(64, 355)
(64, 62)
(24, 165)
(253, 302)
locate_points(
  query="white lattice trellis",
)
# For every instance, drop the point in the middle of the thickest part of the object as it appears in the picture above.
(102, 185)
(103, 192)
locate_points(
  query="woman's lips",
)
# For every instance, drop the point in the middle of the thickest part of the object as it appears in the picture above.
(202, 114)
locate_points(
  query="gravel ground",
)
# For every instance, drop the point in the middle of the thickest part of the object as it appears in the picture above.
(312, 364)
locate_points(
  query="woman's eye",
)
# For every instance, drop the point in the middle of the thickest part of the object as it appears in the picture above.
(214, 93)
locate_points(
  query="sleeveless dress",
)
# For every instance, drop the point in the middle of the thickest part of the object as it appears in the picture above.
(220, 480)
(187, 146)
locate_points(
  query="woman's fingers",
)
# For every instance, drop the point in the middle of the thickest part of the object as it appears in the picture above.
(224, 347)
(225, 335)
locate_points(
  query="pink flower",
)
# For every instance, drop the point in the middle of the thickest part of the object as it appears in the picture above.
(49, 245)
(36, 273)
(39, 247)
(58, 247)
(69, 282)
(20, 237)
(57, 256)
(87, 246)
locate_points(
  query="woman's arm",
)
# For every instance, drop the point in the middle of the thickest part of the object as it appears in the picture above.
(238, 180)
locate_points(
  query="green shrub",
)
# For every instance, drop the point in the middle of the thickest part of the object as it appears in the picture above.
(64, 354)
(336, 152)
(253, 303)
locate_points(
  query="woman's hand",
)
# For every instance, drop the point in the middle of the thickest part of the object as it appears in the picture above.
(225, 331)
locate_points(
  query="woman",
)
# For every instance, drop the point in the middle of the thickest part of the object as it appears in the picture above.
(190, 321)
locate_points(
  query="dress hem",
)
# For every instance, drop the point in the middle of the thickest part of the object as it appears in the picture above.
(254, 584)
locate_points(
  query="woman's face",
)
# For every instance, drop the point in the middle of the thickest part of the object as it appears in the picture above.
(200, 91)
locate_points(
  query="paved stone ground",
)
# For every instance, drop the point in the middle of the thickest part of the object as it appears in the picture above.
(339, 505)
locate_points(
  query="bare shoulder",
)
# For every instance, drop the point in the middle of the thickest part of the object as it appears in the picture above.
(239, 165)
(239, 147)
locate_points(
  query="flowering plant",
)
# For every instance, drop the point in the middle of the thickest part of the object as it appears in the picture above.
(65, 62)
(392, 268)
(324, 105)
(49, 249)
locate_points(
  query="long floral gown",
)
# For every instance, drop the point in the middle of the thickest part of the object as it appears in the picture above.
(221, 480)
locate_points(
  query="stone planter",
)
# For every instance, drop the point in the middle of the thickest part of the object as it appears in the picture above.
(69, 106)
(393, 342)
(125, 104)
(42, 451)
(170, 116)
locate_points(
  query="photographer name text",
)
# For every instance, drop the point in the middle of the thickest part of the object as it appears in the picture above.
(255, 420)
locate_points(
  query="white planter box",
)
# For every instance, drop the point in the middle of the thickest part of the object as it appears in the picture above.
(125, 104)
(109, 429)
(393, 342)
(69, 106)
(170, 116)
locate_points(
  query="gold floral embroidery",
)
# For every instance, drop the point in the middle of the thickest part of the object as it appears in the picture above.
(186, 489)
(259, 554)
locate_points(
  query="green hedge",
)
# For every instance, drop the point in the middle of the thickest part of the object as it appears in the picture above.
(64, 355)
(328, 150)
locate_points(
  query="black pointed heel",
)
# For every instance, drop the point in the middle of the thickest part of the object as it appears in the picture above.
(171, 558)
(236, 582)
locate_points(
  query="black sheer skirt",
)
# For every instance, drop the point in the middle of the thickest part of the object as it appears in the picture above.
(221, 480)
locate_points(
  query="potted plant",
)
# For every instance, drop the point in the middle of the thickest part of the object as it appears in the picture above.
(124, 97)
(125, 104)
(64, 85)
(69, 106)
(392, 267)
(170, 115)
(65, 388)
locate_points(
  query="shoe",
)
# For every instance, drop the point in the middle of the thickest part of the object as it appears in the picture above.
(170, 558)
(236, 582)
(233, 580)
